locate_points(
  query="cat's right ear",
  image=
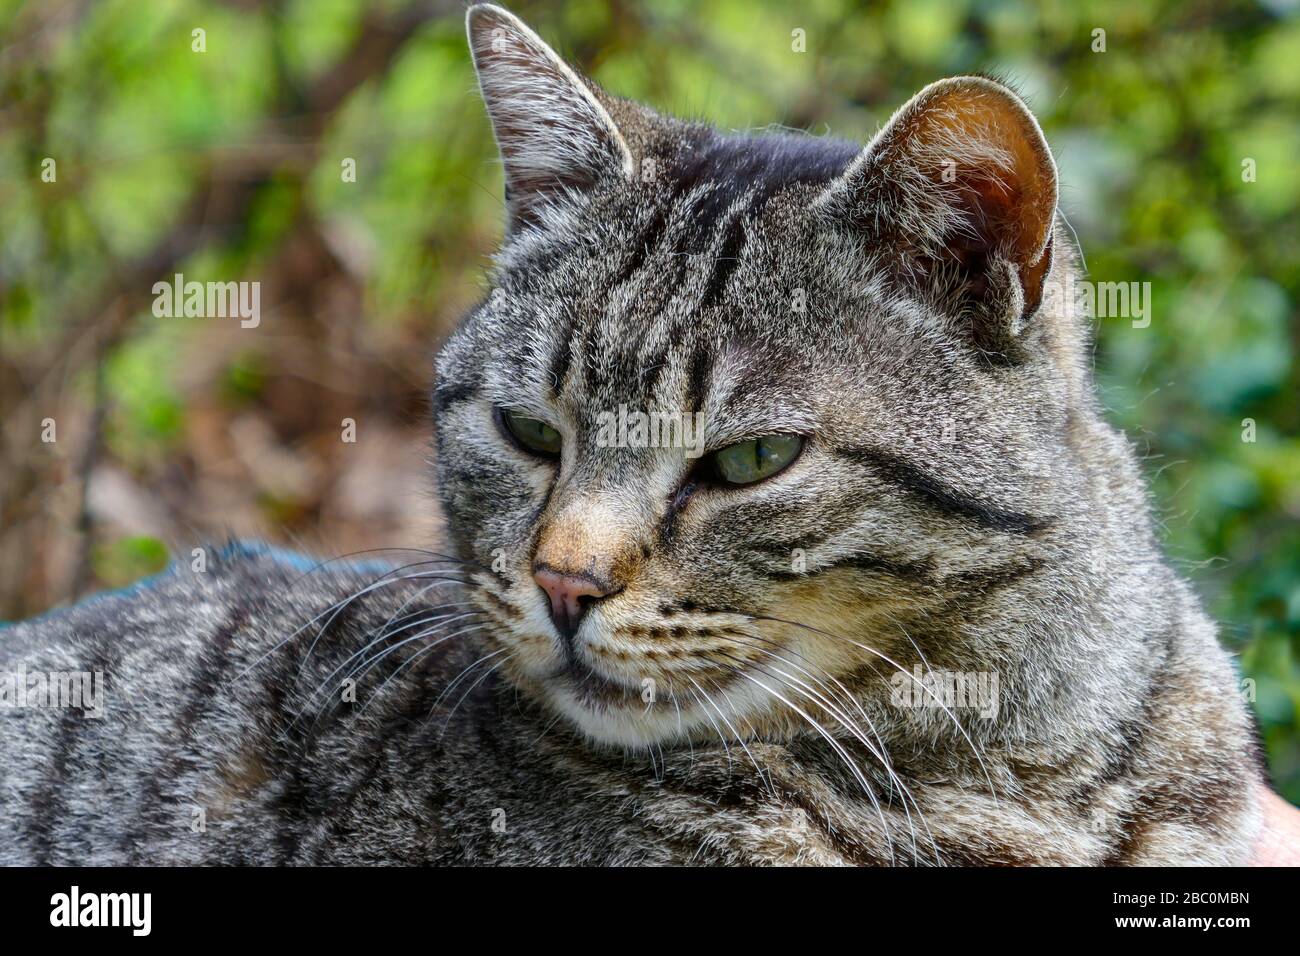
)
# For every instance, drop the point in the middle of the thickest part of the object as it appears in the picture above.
(553, 133)
(960, 188)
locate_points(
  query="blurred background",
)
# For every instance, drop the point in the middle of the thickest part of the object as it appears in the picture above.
(128, 438)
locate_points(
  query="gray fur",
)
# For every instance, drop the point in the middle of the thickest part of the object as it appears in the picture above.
(960, 505)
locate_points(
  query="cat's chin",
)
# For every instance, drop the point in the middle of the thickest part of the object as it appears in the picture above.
(618, 725)
(614, 710)
(614, 714)
(610, 712)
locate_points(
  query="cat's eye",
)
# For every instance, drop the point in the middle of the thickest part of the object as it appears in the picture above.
(749, 461)
(531, 434)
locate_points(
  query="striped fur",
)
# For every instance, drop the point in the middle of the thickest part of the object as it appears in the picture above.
(959, 507)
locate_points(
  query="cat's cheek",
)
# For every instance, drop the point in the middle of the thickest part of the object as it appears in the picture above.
(532, 647)
(531, 656)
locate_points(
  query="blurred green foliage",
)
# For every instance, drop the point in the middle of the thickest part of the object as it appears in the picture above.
(125, 560)
(1151, 135)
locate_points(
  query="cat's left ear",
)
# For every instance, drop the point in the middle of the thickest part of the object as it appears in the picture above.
(552, 130)
(960, 189)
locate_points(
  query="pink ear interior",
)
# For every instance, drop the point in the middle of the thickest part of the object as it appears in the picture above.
(978, 143)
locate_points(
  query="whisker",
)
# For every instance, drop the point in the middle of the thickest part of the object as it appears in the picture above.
(380, 582)
(470, 690)
(422, 651)
(871, 650)
(680, 733)
(718, 730)
(372, 662)
(846, 696)
(414, 620)
(378, 692)
(339, 605)
(459, 677)
(545, 730)
(366, 667)
(362, 652)
(739, 739)
(845, 721)
(839, 749)
(436, 556)
(414, 597)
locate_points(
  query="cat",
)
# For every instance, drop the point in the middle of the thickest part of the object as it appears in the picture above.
(737, 651)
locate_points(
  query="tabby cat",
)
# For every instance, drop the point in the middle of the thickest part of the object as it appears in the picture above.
(783, 527)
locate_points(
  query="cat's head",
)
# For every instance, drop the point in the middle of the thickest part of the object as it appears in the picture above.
(746, 417)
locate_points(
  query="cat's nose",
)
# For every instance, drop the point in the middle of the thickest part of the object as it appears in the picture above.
(570, 595)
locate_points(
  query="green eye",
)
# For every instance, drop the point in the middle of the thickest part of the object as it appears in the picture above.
(749, 461)
(534, 435)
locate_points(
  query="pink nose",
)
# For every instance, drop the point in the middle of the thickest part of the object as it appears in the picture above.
(570, 597)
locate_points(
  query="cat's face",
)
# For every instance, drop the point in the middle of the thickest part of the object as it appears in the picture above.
(743, 418)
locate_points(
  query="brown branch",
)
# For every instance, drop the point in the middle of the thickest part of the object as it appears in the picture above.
(84, 470)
